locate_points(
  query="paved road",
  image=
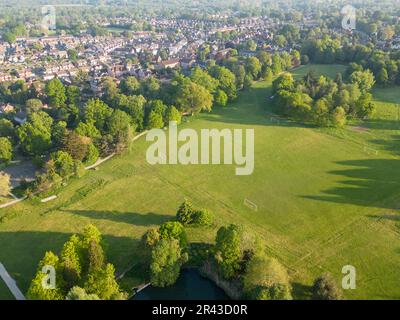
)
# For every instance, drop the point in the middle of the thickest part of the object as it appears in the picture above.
(18, 172)
(10, 282)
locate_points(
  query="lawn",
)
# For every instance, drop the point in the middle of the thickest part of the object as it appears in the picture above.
(324, 199)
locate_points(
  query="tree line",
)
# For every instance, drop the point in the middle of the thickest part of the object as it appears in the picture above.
(384, 65)
(323, 101)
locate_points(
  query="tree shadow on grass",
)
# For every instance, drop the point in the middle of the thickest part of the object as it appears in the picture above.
(301, 291)
(381, 124)
(369, 183)
(133, 218)
(21, 252)
(392, 217)
(253, 107)
(392, 146)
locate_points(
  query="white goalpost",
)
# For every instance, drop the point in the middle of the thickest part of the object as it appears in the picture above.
(250, 204)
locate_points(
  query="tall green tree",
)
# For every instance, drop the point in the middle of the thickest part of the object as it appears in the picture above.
(56, 93)
(6, 150)
(166, 262)
(228, 252)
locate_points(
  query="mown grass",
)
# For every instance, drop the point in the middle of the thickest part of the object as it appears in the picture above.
(324, 201)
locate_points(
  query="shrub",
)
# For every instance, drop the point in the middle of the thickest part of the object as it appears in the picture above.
(265, 272)
(174, 230)
(92, 155)
(185, 213)
(63, 163)
(325, 288)
(203, 217)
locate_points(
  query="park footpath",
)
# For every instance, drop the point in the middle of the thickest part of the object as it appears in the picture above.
(10, 283)
(98, 163)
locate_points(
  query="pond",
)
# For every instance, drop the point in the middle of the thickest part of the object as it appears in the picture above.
(190, 286)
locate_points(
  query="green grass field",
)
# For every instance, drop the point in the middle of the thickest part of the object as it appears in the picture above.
(326, 198)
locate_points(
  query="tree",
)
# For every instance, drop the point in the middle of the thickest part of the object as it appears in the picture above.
(70, 261)
(174, 230)
(248, 81)
(88, 130)
(96, 257)
(63, 163)
(48, 178)
(276, 64)
(55, 91)
(110, 90)
(155, 120)
(382, 77)
(90, 233)
(92, 155)
(339, 117)
(185, 213)
(202, 217)
(4, 184)
(251, 45)
(33, 105)
(364, 106)
(364, 79)
(75, 145)
(134, 106)
(130, 85)
(9, 37)
(35, 134)
(119, 121)
(325, 288)
(150, 88)
(191, 97)
(221, 98)
(388, 32)
(264, 271)
(166, 262)
(305, 59)
(227, 250)
(73, 94)
(267, 74)
(240, 73)
(151, 237)
(280, 40)
(321, 112)
(103, 284)
(59, 132)
(264, 58)
(280, 291)
(6, 150)
(6, 128)
(253, 67)
(78, 293)
(283, 82)
(36, 289)
(173, 114)
(202, 78)
(98, 113)
(275, 292)
(227, 80)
